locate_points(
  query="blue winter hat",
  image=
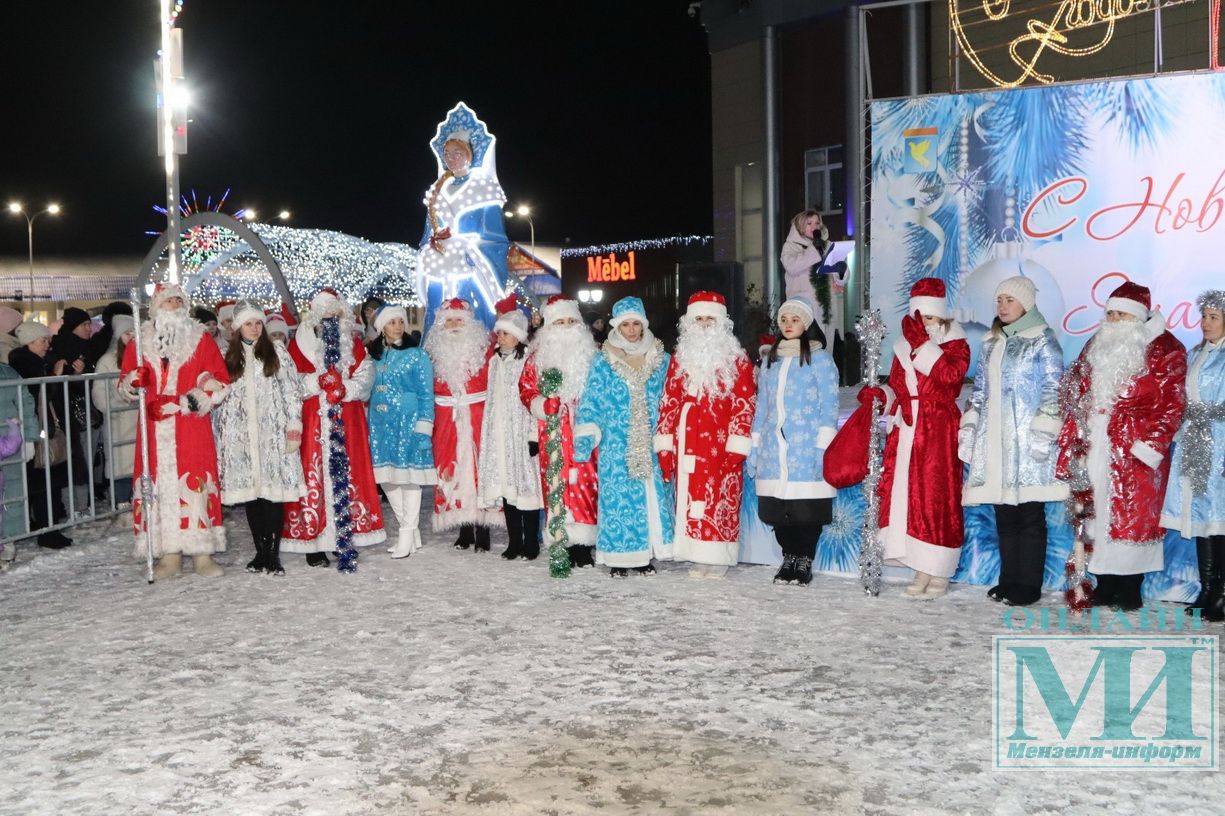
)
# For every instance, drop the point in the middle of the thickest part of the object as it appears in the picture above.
(628, 308)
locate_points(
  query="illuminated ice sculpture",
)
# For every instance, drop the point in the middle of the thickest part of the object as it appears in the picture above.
(463, 251)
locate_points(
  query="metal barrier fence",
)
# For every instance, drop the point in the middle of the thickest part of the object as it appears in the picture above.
(51, 397)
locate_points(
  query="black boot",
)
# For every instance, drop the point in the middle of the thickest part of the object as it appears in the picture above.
(318, 559)
(272, 564)
(482, 538)
(586, 556)
(52, 541)
(1027, 564)
(619, 572)
(467, 535)
(1214, 605)
(1104, 592)
(1207, 574)
(514, 531)
(260, 562)
(649, 569)
(786, 573)
(1127, 592)
(531, 534)
(803, 570)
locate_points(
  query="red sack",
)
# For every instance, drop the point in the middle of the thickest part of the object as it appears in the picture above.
(846, 458)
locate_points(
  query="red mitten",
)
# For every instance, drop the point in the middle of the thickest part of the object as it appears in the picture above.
(329, 380)
(872, 392)
(163, 406)
(336, 395)
(904, 406)
(552, 406)
(667, 465)
(913, 330)
(140, 378)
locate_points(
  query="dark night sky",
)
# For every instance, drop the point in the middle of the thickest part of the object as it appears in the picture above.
(602, 113)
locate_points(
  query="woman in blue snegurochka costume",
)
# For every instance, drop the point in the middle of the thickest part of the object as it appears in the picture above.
(796, 419)
(401, 423)
(616, 423)
(463, 250)
(1008, 433)
(1195, 495)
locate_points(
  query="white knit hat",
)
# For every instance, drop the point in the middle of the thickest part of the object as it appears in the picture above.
(388, 313)
(31, 330)
(1021, 289)
(121, 323)
(799, 307)
(245, 310)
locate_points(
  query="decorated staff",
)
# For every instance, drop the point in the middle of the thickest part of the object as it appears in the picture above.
(559, 554)
(870, 329)
(145, 530)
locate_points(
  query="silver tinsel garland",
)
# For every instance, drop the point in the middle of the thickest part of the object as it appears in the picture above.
(870, 329)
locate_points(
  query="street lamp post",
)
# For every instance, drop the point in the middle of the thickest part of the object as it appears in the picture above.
(525, 211)
(16, 208)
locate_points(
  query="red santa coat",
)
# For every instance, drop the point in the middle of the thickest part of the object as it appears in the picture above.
(310, 522)
(702, 428)
(182, 455)
(581, 492)
(1114, 455)
(457, 441)
(920, 488)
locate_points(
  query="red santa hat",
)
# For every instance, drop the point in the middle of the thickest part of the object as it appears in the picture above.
(510, 319)
(225, 309)
(559, 307)
(455, 307)
(163, 292)
(765, 342)
(706, 304)
(1131, 298)
(276, 323)
(928, 297)
(328, 300)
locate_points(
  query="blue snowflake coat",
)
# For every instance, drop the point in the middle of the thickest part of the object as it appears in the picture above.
(401, 418)
(604, 419)
(796, 419)
(1200, 515)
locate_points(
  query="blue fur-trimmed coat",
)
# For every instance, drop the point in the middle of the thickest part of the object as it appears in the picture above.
(1204, 514)
(629, 533)
(401, 418)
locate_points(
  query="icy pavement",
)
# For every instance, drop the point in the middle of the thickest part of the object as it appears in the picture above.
(453, 682)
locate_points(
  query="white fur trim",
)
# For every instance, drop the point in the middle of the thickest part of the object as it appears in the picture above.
(970, 419)
(581, 534)
(779, 489)
(926, 357)
(561, 309)
(706, 308)
(1127, 306)
(513, 323)
(537, 408)
(588, 429)
(930, 306)
(248, 312)
(424, 426)
(697, 509)
(983, 494)
(389, 313)
(742, 445)
(664, 442)
(1146, 454)
(825, 436)
(923, 556)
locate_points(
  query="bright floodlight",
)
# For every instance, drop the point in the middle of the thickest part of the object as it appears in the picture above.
(524, 210)
(180, 96)
(283, 215)
(54, 209)
(248, 214)
(14, 207)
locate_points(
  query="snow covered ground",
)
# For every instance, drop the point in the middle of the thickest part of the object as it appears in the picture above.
(453, 682)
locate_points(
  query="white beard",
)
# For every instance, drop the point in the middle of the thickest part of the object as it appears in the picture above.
(707, 356)
(1117, 357)
(173, 335)
(936, 333)
(569, 349)
(457, 354)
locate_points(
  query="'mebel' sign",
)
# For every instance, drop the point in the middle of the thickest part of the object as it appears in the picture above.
(608, 269)
(1083, 701)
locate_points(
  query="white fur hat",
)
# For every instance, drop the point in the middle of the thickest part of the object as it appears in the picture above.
(245, 310)
(121, 323)
(513, 322)
(388, 313)
(1021, 289)
(560, 307)
(163, 292)
(31, 330)
(706, 304)
(328, 300)
(276, 323)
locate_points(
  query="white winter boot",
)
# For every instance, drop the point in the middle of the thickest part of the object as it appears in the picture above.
(936, 588)
(168, 566)
(409, 516)
(206, 567)
(919, 585)
(392, 492)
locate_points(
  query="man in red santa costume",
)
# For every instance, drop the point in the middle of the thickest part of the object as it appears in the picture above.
(184, 377)
(341, 508)
(920, 488)
(1123, 401)
(706, 418)
(459, 346)
(565, 343)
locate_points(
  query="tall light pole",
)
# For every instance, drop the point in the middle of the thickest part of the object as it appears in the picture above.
(171, 127)
(16, 208)
(524, 211)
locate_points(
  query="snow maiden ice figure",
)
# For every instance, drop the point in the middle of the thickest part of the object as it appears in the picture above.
(401, 423)
(616, 419)
(259, 431)
(463, 251)
(921, 523)
(1008, 433)
(509, 467)
(795, 420)
(1195, 496)
(341, 507)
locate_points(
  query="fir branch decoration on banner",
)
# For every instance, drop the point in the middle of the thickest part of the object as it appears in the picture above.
(559, 556)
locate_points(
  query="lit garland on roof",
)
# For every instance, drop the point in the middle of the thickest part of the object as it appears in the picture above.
(639, 246)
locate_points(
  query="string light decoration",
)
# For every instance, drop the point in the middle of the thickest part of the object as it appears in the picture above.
(559, 556)
(175, 12)
(639, 246)
(188, 207)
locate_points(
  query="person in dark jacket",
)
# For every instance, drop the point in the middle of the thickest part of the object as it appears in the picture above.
(71, 344)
